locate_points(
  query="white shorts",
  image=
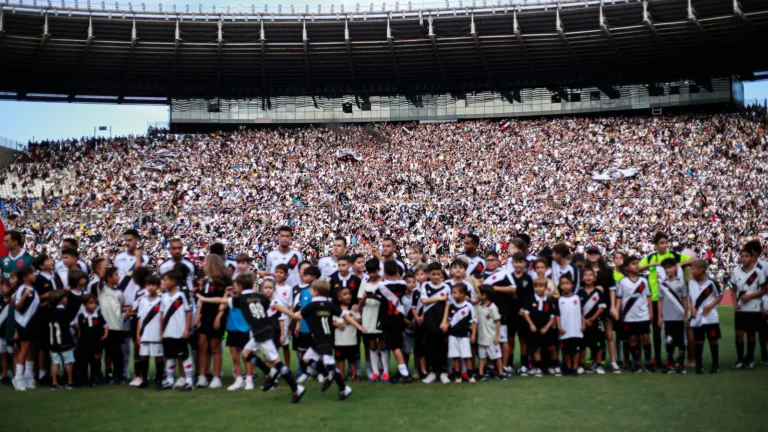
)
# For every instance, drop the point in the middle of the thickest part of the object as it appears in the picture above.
(151, 349)
(266, 348)
(492, 352)
(286, 331)
(503, 334)
(311, 355)
(63, 358)
(5, 347)
(459, 347)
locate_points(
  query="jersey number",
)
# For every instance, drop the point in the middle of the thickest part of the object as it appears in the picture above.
(55, 333)
(257, 310)
(326, 325)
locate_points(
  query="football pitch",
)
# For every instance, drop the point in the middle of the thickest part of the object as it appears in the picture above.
(626, 402)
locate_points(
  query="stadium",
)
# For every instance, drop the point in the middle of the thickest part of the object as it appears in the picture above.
(403, 130)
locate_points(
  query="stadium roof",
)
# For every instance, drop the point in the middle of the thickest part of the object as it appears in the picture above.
(68, 54)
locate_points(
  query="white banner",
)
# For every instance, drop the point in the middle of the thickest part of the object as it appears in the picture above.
(614, 174)
(160, 160)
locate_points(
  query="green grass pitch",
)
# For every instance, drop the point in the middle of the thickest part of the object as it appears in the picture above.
(643, 402)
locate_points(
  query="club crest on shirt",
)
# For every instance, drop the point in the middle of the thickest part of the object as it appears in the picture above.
(546, 307)
(95, 321)
(575, 302)
(641, 287)
(352, 284)
(156, 309)
(176, 304)
(293, 261)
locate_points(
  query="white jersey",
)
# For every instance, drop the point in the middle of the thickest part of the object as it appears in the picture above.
(476, 265)
(149, 316)
(291, 259)
(328, 266)
(399, 264)
(703, 294)
(29, 308)
(763, 265)
(63, 272)
(189, 275)
(673, 294)
(174, 308)
(370, 308)
(125, 263)
(284, 297)
(569, 310)
(558, 271)
(634, 299)
(747, 282)
(470, 289)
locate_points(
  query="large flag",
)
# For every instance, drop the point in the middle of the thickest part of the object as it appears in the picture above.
(614, 174)
(3, 250)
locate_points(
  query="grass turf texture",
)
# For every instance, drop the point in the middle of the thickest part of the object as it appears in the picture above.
(626, 402)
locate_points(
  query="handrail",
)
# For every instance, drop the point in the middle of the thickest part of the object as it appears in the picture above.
(12, 144)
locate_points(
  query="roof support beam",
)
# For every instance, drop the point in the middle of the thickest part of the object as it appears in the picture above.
(349, 51)
(738, 12)
(561, 31)
(2, 28)
(648, 23)
(219, 46)
(519, 36)
(473, 31)
(176, 46)
(263, 41)
(129, 57)
(605, 28)
(434, 48)
(84, 55)
(392, 53)
(46, 36)
(305, 40)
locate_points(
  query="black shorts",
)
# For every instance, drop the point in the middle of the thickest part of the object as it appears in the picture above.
(25, 335)
(571, 346)
(537, 340)
(393, 339)
(207, 329)
(175, 348)
(621, 330)
(418, 342)
(706, 331)
(238, 339)
(42, 335)
(594, 336)
(638, 328)
(747, 321)
(674, 333)
(349, 353)
(302, 342)
(521, 327)
(368, 337)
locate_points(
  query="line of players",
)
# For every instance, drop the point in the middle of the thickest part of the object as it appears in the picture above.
(474, 312)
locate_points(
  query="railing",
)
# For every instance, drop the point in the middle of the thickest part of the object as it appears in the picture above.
(12, 144)
(303, 9)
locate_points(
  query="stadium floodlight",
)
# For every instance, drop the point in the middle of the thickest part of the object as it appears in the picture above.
(160, 7)
(306, 9)
(76, 5)
(279, 8)
(214, 8)
(397, 6)
(117, 6)
(200, 8)
(357, 8)
(371, 7)
(332, 7)
(342, 8)
(130, 7)
(447, 4)
(291, 8)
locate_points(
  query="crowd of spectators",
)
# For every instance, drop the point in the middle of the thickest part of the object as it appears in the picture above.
(701, 178)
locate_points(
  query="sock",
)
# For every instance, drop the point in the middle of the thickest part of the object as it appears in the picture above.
(635, 352)
(158, 370)
(288, 377)
(403, 369)
(384, 361)
(523, 359)
(338, 378)
(670, 352)
(42, 373)
(647, 353)
(375, 359)
(259, 363)
(126, 348)
(170, 368)
(740, 351)
(369, 370)
(714, 349)
(141, 368)
(29, 369)
(19, 370)
(320, 368)
(750, 350)
(699, 356)
(188, 370)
